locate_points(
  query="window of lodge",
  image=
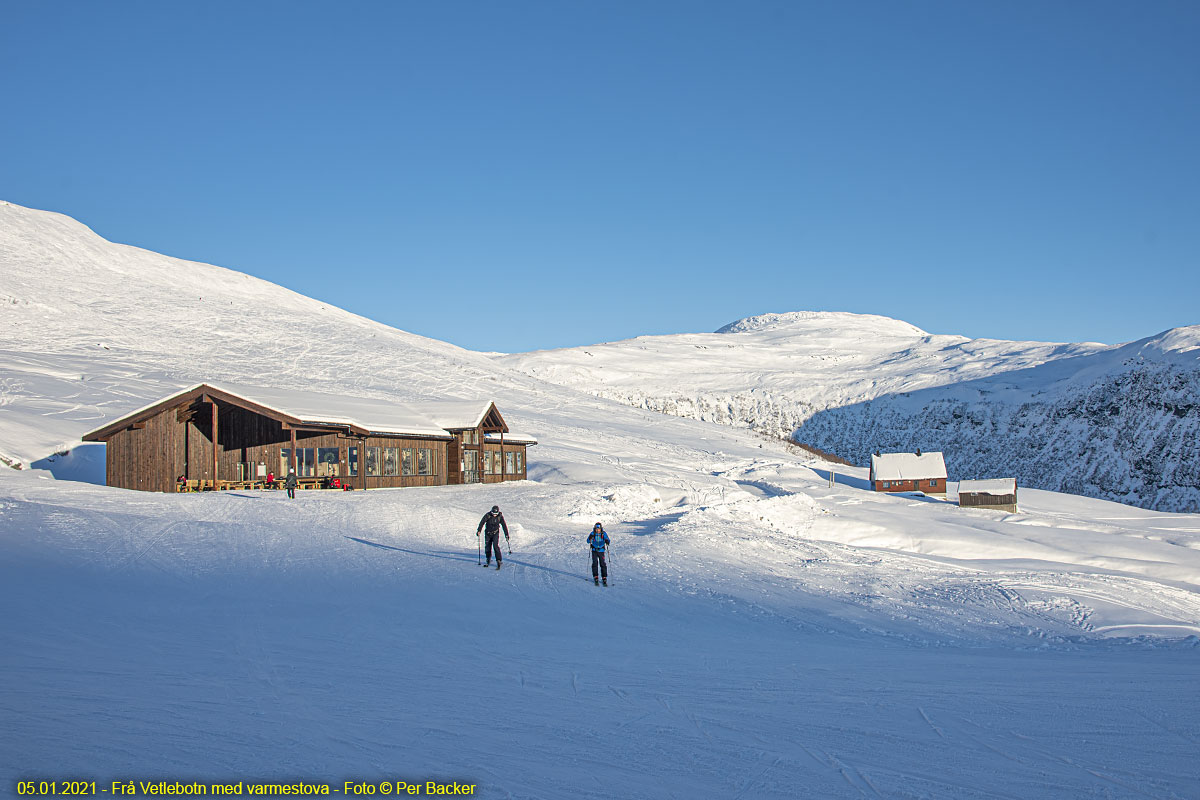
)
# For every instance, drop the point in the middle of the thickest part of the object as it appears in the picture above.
(306, 461)
(327, 462)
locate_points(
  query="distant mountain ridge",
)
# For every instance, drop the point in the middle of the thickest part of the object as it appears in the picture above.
(1119, 422)
(800, 319)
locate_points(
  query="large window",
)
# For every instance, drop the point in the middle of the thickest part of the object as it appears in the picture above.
(470, 437)
(391, 461)
(306, 461)
(372, 460)
(426, 463)
(491, 464)
(510, 462)
(520, 462)
(327, 462)
(352, 461)
(407, 461)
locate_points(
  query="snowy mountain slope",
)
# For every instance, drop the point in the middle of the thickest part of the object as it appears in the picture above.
(768, 634)
(851, 384)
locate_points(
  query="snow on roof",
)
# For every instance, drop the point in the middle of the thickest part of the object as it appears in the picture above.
(511, 438)
(997, 486)
(907, 466)
(376, 416)
(455, 414)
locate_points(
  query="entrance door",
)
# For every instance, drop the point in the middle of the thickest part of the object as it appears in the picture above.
(470, 466)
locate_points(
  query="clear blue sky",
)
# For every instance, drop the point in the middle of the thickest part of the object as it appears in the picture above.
(523, 175)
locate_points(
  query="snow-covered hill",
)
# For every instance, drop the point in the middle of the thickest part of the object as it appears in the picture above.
(770, 633)
(1117, 422)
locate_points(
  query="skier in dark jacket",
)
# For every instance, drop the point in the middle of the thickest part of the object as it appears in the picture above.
(494, 521)
(290, 483)
(599, 541)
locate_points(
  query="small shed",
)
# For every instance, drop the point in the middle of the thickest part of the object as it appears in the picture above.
(997, 494)
(908, 472)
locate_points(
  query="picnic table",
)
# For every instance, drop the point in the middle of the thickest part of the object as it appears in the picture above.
(221, 485)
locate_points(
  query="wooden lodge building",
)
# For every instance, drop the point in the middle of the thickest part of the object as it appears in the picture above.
(996, 494)
(908, 472)
(225, 437)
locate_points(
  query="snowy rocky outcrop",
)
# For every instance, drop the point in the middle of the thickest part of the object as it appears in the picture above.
(1131, 434)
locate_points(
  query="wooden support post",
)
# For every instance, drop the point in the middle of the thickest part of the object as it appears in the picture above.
(361, 477)
(214, 442)
(293, 431)
(503, 460)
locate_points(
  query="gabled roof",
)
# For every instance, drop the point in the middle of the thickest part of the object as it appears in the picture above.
(301, 409)
(907, 466)
(996, 486)
(457, 415)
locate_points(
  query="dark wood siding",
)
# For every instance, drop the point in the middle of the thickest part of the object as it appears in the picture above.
(145, 456)
(999, 502)
(929, 486)
(454, 462)
(178, 441)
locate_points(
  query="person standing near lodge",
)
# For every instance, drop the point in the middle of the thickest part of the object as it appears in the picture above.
(291, 483)
(494, 521)
(599, 541)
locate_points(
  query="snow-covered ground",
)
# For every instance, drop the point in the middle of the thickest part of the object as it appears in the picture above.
(766, 635)
(843, 645)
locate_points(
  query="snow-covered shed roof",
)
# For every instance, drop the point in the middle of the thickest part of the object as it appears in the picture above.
(907, 466)
(996, 486)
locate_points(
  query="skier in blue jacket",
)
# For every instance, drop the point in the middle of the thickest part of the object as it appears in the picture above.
(599, 541)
